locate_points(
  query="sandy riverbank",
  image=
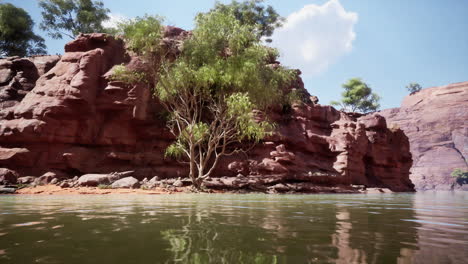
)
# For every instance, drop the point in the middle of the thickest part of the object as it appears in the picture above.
(53, 189)
(56, 190)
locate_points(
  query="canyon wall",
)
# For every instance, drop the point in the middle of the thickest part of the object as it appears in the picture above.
(74, 119)
(436, 123)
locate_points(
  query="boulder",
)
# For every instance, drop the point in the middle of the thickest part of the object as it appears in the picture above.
(50, 177)
(26, 179)
(178, 183)
(8, 176)
(64, 185)
(7, 190)
(94, 180)
(152, 183)
(97, 179)
(127, 182)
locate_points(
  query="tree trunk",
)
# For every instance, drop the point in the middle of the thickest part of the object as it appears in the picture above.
(193, 169)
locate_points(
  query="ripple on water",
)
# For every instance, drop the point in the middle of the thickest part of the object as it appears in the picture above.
(431, 222)
(28, 224)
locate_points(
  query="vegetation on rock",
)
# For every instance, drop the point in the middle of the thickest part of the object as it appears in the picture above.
(71, 17)
(358, 96)
(461, 175)
(211, 89)
(16, 33)
(413, 87)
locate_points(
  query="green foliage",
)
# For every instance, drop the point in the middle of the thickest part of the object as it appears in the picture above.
(262, 19)
(296, 96)
(413, 87)
(71, 17)
(142, 34)
(213, 86)
(175, 150)
(222, 57)
(104, 186)
(358, 96)
(122, 74)
(460, 174)
(239, 110)
(16, 33)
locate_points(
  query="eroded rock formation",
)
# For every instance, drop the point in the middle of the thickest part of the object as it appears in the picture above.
(77, 120)
(18, 76)
(436, 123)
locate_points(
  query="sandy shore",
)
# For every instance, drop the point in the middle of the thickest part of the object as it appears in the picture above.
(53, 189)
(56, 190)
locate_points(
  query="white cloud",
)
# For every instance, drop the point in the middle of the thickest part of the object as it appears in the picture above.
(315, 37)
(114, 19)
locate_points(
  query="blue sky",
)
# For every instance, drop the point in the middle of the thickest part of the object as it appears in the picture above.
(387, 43)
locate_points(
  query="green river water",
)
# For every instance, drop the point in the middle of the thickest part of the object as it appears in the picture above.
(227, 228)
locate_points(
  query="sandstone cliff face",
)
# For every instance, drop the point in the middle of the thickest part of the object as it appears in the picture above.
(77, 120)
(436, 123)
(18, 76)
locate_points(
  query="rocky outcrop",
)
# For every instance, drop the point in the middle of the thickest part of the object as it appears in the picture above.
(78, 120)
(8, 176)
(436, 123)
(19, 75)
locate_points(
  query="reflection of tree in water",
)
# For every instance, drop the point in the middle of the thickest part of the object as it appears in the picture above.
(264, 233)
(201, 240)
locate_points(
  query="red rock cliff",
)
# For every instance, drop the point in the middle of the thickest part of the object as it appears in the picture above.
(436, 122)
(76, 121)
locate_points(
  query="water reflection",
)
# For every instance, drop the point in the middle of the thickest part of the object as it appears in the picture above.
(401, 228)
(373, 234)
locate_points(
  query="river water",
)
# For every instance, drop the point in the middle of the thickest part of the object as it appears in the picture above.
(227, 228)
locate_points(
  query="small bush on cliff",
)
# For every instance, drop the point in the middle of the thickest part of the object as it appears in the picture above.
(413, 87)
(211, 89)
(16, 33)
(122, 74)
(143, 35)
(460, 175)
(71, 17)
(358, 97)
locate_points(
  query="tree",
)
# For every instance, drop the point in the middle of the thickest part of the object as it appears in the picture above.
(211, 89)
(16, 33)
(358, 96)
(71, 17)
(413, 87)
(263, 19)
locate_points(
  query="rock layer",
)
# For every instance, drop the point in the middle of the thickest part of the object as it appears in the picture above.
(436, 123)
(78, 120)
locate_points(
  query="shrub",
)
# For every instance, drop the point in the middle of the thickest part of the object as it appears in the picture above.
(461, 175)
(413, 87)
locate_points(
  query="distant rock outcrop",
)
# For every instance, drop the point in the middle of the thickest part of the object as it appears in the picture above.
(78, 120)
(436, 123)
